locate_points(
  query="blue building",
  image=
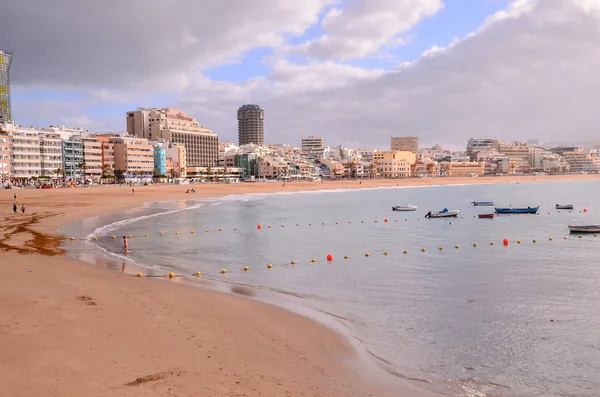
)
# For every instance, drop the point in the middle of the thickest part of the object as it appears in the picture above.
(73, 157)
(160, 157)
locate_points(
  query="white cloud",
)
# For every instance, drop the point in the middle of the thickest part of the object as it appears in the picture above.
(364, 27)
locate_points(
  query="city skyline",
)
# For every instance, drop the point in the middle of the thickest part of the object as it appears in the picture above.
(426, 69)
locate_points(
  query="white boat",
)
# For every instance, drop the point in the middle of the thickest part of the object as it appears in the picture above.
(584, 229)
(445, 213)
(404, 207)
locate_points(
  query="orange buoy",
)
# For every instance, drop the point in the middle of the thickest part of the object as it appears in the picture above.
(505, 241)
(329, 257)
(258, 226)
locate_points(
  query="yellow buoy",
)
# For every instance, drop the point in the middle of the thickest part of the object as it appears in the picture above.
(346, 256)
(171, 275)
(269, 226)
(386, 253)
(223, 271)
(220, 229)
(114, 237)
(406, 251)
(423, 249)
(362, 221)
(534, 241)
(193, 231)
(269, 265)
(579, 236)
(198, 273)
(282, 225)
(72, 238)
(418, 219)
(130, 236)
(474, 244)
(441, 248)
(457, 246)
(139, 274)
(176, 232)
(235, 228)
(396, 220)
(246, 268)
(146, 235)
(518, 241)
(95, 238)
(293, 262)
(566, 238)
(206, 231)
(367, 254)
(491, 243)
(313, 260)
(405, 219)
(550, 239)
(162, 234)
(322, 223)
(595, 235)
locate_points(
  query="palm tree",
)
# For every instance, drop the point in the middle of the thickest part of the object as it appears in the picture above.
(105, 170)
(171, 173)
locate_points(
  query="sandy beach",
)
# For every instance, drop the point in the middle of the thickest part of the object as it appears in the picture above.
(68, 328)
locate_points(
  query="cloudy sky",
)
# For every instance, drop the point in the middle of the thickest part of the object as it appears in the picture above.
(353, 71)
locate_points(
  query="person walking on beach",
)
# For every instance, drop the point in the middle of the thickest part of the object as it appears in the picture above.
(15, 208)
(125, 244)
(15, 196)
(23, 208)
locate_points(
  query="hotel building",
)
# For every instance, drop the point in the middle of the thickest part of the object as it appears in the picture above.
(251, 127)
(475, 145)
(470, 168)
(73, 157)
(25, 161)
(4, 157)
(404, 144)
(51, 155)
(92, 157)
(313, 146)
(172, 125)
(393, 164)
(108, 154)
(134, 157)
(178, 155)
(5, 102)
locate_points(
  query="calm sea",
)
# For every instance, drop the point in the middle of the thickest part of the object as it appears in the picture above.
(491, 320)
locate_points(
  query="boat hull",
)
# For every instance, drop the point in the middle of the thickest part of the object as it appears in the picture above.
(486, 216)
(564, 207)
(438, 214)
(483, 203)
(404, 208)
(584, 229)
(529, 210)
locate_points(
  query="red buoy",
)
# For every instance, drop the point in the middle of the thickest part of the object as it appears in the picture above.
(329, 257)
(505, 241)
(259, 227)
(585, 210)
(385, 220)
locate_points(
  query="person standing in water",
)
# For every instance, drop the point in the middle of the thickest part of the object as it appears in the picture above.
(23, 208)
(125, 244)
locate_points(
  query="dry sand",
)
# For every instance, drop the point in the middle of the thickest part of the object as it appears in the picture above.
(72, 329)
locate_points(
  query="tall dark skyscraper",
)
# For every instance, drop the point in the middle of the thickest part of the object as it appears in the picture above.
(5, 109)
(251, 127)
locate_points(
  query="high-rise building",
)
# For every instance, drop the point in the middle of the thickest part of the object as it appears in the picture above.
(251, 127)
(172, 125)
(5, 108)
(404, 144)
(313, 146)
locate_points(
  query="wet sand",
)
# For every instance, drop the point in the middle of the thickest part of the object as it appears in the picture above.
(66, 327)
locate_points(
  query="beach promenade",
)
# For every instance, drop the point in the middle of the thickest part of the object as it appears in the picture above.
(68, 328)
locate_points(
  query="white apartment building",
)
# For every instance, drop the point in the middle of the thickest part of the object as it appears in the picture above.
(313, 146)
(26, 160)
(51, 155)
(172, 125)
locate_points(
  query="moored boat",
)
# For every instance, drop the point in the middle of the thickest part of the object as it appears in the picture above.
(486, 216)
(404, 207)
(445, 213)
(584, 228)
(564, 207)
(482, 203)
(517, 210)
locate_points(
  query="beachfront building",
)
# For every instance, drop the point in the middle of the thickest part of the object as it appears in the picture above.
(393, 164)
(404, 144)
(251, 127)
(475, 145)
(4, 157)
(108, 155)
(5, 100)
(25, 156)
(160, 157)
(51, 155)
(462, 169)
(73, 164)
(92, 157)
(178, 155)
(134, 158)
(172, 125)
(313, 146)
(273, 168)
(365, 154)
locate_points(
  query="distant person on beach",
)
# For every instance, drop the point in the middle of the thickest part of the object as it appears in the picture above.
(15, 208)
(125, 244)
(132, 190)
(23, 209)
(15, 196)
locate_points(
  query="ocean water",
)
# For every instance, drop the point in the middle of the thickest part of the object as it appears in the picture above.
(491, 320)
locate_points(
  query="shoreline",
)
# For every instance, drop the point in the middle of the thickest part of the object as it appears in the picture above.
(29, 244)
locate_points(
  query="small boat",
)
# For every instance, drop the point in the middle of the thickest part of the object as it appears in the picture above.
(584, 229)
(404, 207)
(442, 214)
(482, 203)
(486, 216)
(564, 207)
(517, 210)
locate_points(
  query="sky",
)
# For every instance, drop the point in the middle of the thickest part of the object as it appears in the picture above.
(353, 71)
